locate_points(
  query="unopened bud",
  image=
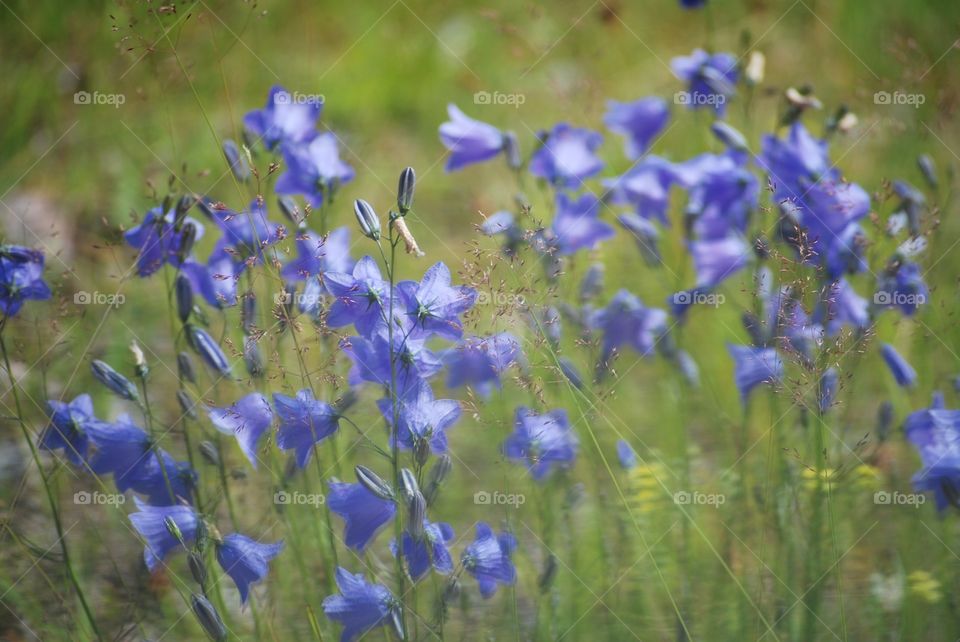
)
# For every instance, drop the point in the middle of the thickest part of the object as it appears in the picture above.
(116, 382)
(367, 218)
(405, 189)
(184, 296)
(374, 483)
(237, 160)
(208, 617)
(185, 368)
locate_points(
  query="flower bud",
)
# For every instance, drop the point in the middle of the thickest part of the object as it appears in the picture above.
(184, 296)
(188, 236)
(408, 182)
(185, 369)
(928, 169)
(237, 160)
(252, 358)
(728, 136)
(290, 209)
(210, 453)
(439, 472)
(512, 151)
(421, 451)
(116, 382)
(367, 218)
(374, 483)
(208, 617)
(180, 213)
(418, 512)
(187, 405)
(139, 361)
(173, 529)
(248, 312)
(570, 372)
(197, 568)
(549, 573)
(408, 484)
(592, 284)
(204, 345)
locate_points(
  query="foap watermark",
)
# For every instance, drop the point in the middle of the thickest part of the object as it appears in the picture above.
(698, 98)
(498, 98)
(898, 98)
(303, 299)
(296, 498)
(896, 498)
(297, 98)
(882, 297)
(500, 298)
(113, 299)
(696, 498)
(98, 98)
(96, 498)
(699, 298)
(496, 498)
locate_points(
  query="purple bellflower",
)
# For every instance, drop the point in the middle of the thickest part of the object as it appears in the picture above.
(469, 141)
(21, 278)
(479, 361)
(638, 122)
(246, 561)
(753, 366)
(304, 422)
(543, 441)
(488, 559)
(364, 513)
(151, 523)
(421, 419)
(576, 224)
(567, 156)
(284, 120)
(360, 607)
(429, 549)
(247, 420)
(314, 169)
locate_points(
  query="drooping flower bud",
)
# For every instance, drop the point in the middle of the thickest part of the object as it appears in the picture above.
(210, 453)
(197, 568)
(438, 473)
(184, 296)
(204, 345)
(928, 169)
(185, 369)
(408, 484)
(549, 573)
(248, 312)
(237, 160)
(208, 617)
(418, 511)
(188, 236)
(116, 382)
(405, 188)
(367, 218)
(729, 136)
(139, 361)
(512, 151)
(252, 358)
(187, 405)
(180, 213)
(570, 372)
(374, 483)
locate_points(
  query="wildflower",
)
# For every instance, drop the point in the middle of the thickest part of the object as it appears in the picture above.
(68, 428)
(413, 361)
(364, 513)
(21, 278)
(576, 224)
(645, 186)
(245, 233)
(434, 305)
(722, 194)
(245, 560)
(902, 286)
(567, 156)
(842, 306)
(925, 586)
(729, 136)
(543, 441)
(487, 559)
(160, 241)
(120, 448)
(236, 160)
(116, 382)
(479, 361)
(902, 371)
(505, 224)
(208, 617)
(827, 389)
(638, 122)
(247, 420)
(154, 525)
(429, 549)
(215, 281)
(319, 255)
(421, 418)
(283, 120)
(163, 480)
(626, 321)
(469, 141)
(716, 260)
(361, 297)
(754, 366)
(570, 372)
(710, 79)
(304, 421)
(935, 433)
(360, 607)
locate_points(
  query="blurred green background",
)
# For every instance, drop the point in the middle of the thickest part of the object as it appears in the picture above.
(72, 176)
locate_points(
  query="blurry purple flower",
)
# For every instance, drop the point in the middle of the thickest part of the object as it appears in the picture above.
(371, 361)
(626, 455)
(902, 287)
(716, 260)
(487, 559)
(479, 361)
(753, 366)
(827, 389)
(283, 120)
(151, 523)
(646, 187)
(313, 169)
(900, 368)
(711, 79)
(304, 422)
(318, 255)
(159, 241)
(68, 428)
(360, 607)
(364, 513)
(543, 441)
(626, 321)
(842, 306)
(576, 224)
(430, 549)
(245, 233)
(469, 141)
(246, 560)
(21, 278)
(434, 305)
(638, 122)
(935, 433)
(361, 297)
(216, 281)
(421, 418)
(247, 420)
(567, 156)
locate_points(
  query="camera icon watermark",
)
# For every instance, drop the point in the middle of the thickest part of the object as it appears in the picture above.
(698, 99)
(499, 98)
(96, 498)
(898, 98)
(883, 297)
(114, 300)
(98, 98)
(696, 498)
(297, 98)
(496, 498)
(896, 498)
(699, 298)
(303, 299)
(296, 498)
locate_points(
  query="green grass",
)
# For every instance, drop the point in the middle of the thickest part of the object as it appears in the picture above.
(631, 563)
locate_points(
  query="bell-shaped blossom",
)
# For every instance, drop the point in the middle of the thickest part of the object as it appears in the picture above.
(21, 278)
(68, 426)
(426, 550)
(152, 523)
(314, 169)
(247, 420)
(753, 366)
(711, 79)
(360, 607)
(434, 305)
(361, 297)
(488, 559)
(577, 225)
(542, 441)
(283, 119)
(159, 241)
(479, 361)
(364, 514)
(318, 255)
(421, 419)
(638, 122)
(245, 560)
(304, 422)
(568, 156)
(469, 141)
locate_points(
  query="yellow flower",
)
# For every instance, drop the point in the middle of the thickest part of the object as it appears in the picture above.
(925, 586)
